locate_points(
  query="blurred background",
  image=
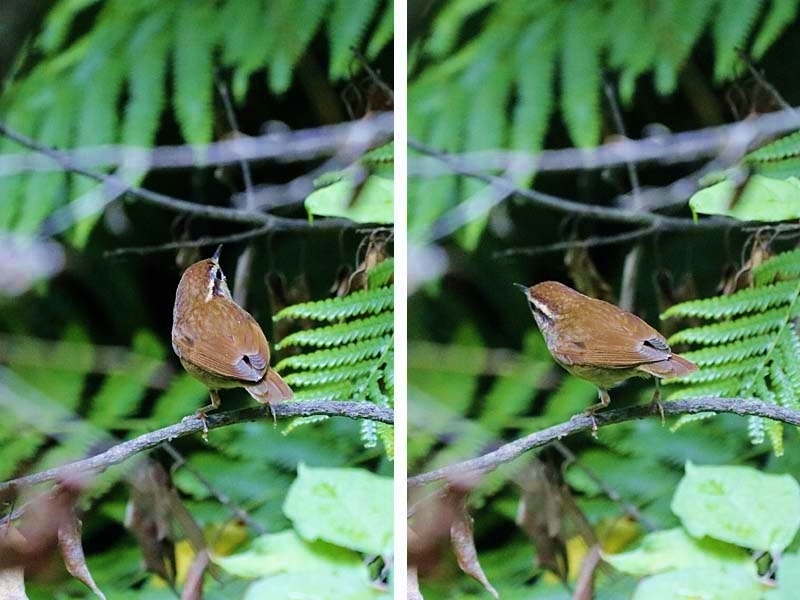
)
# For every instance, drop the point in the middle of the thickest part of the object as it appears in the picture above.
(88, 274)
(486, 80)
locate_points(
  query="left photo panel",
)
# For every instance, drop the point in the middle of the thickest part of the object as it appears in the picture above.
(197, 289)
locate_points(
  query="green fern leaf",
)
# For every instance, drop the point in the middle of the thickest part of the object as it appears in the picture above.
(359, 303)
(346, 27)
(781, 15)
(580, 74)
(193, 68)
(732, 22)
(341, 333)
(147, 57)
(384, 31)
(744, 301)
(785, 265)
(337, 357)
(728, 331)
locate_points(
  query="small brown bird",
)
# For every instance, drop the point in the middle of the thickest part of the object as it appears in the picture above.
(600, 342)
(219, 343)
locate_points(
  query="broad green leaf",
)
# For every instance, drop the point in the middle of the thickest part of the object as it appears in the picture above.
(371, 203)
(319, 586)
(788, 579)
(348, 507)
(286, 552)
(706, 583)
(674, 549)
(761, 199)
(739, 505)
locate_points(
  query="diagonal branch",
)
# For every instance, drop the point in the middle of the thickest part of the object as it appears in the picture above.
(116, 186)
(193, 424)
(583, 422)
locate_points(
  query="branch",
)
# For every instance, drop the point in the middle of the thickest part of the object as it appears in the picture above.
(117, 186)
(193, 424)
(583, 422)
(504, 186)
(347, 139)
(671, 148)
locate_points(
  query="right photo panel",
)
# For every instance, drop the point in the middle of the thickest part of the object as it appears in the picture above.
(603, 300)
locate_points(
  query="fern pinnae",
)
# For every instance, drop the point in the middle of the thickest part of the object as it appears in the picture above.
(337, 357)
(786, 264)
(728, 353)
(742, 302)
(729, 331)
(363, 302)
(780, 16)
(340, 333)
(725, 371)
(314, 378)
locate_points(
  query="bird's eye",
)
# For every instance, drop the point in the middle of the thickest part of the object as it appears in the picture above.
(218, 274)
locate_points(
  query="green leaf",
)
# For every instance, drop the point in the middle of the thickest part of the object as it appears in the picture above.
(708, 583)
(371, 203)
(739, 505)
(348, 507)
(788, 579)
(762, 199)
(318, 585)
(674, 549)
(286, 552)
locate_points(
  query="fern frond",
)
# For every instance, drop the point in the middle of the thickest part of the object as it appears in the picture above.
(337, 357)
(749, 355)
(346, 28)
(728, 331)
(341, 333)
(742, 302)
(780, 16)
(363, 302)
(732, 21)
(788, 145)
(784, 265)
(193, 69)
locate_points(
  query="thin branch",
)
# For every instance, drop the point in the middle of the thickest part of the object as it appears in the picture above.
(349, 139)
(198, 243)
(602, 213)
(117, 186)
(222, 497)
(726, 140)
(193, 424)
(583, 422)
(759, 77)
(591, 242)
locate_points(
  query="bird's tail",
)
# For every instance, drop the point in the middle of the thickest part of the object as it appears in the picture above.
(674, 366)
(272, 388)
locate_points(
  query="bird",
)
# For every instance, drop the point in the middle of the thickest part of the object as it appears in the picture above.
(600, 342)
(218, 342)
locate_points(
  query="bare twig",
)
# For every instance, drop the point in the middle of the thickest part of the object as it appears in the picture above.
(198, 243)
(193, 424)
(591, 242)
(583, 422)
(222, 497)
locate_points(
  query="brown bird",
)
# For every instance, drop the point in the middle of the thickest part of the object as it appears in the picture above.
(600, 342)
(218, 342)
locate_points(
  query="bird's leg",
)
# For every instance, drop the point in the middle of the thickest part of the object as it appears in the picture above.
(202, 412)
(605, 399)
(272, 412)
(656, 401)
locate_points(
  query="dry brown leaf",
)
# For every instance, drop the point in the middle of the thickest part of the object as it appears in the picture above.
(743, 278)
(463, 541)
(147, 517)
(587, 278)
(69, 540)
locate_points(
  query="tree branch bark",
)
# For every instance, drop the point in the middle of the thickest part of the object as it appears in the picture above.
(583, 422)
(193, 424)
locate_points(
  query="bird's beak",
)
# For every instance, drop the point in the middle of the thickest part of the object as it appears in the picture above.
(522, 288)
(215, 258)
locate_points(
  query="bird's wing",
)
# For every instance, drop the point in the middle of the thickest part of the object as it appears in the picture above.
(237, 349)
(615, 341)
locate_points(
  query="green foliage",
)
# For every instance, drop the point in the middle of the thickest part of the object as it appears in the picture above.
(484, 76)
(725, 511)
(354, 359)
(110, 84)
(753, 347)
